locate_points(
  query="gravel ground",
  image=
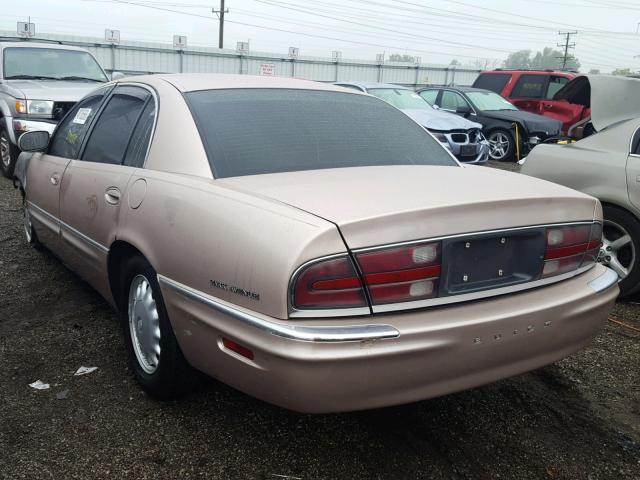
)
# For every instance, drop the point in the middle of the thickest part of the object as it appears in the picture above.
(576, 419)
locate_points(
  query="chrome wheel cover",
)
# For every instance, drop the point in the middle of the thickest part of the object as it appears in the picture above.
(617, 251)
(26, 222)
(498, 145)
(144, 324)
(5, 150)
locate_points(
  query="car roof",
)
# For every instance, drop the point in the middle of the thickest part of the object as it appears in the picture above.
(368, 85)
(528, 72)
(191, 82)
(459, 89)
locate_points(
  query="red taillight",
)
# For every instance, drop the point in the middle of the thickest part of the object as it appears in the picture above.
(569, 248)
(331, 283)
(401, 274)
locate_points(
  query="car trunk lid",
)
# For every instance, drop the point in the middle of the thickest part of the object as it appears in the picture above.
(383, 205)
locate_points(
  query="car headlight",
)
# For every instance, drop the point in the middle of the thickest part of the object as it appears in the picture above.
(34, 107)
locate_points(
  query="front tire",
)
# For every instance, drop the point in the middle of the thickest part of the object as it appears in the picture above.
(154, 354)
(620, 248)
(8, 153)
(502, 146)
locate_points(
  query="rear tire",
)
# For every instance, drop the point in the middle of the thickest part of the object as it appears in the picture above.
(502, 146)
(8, 153)
(620, 253)
(154, 354)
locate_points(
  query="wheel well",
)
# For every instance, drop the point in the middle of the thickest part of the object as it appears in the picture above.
(619, 207)
(119, 253)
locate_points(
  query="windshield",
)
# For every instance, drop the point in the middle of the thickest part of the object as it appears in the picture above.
(256, 131)
(400, 98)
(488, 101)
(51, 63)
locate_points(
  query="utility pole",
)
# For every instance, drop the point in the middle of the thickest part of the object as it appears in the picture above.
(566, 46)
(220, 14)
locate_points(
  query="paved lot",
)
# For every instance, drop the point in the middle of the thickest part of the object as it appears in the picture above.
(577, 419)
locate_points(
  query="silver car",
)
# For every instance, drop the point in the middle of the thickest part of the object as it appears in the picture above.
(39, 83)
(607, 166)
(462, 137)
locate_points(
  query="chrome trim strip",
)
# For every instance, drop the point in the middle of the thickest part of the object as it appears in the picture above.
(46, 214)
(604, 281)
(342, 333)
(83, 237)
(69, 228)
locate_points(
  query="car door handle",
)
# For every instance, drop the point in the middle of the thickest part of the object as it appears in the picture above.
(55, 179)
(112, 196)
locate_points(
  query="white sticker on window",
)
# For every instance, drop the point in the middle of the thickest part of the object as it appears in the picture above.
(82, 115)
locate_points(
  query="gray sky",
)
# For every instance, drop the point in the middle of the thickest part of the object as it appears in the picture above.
(437, 30)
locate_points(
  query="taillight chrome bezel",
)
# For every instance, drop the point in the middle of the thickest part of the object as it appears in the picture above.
(438, 301)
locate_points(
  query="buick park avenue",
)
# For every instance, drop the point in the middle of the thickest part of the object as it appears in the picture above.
(308, 244)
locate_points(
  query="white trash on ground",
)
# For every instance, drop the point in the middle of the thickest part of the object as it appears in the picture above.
(39, 385)
(84, 371)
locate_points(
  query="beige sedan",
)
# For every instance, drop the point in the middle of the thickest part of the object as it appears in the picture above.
(309, 245)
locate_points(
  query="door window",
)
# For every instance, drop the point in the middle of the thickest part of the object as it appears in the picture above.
(555, 84)
(109, 138)
(430, 96)
(69, 135)
(452, 100)
(530, 86)
(139, 143)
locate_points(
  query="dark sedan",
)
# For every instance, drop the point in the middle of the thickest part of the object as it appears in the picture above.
(498, 117)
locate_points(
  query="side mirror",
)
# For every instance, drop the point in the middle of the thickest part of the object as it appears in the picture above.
(36, 141)
(464, 110)
(117, 75)
(435, 107)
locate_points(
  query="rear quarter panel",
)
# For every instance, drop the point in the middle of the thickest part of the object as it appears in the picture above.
(194, 231)
(595, 165)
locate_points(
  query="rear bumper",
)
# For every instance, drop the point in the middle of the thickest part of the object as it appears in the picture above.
(435, 351)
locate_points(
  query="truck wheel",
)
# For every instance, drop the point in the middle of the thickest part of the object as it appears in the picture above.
(502, 146)
(8, 154)
(155, 357)
(620, 248)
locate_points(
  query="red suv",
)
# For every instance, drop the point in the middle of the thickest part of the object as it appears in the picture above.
(533, 91)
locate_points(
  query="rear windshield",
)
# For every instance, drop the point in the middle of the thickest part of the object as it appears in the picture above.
(492, 81)
(255, 131)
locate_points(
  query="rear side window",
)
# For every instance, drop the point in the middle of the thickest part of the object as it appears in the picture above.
(110, 136)
(492, 81)
(530, 86)
(257, 131)
(71, 131)
(139, 143)
(430, 96)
